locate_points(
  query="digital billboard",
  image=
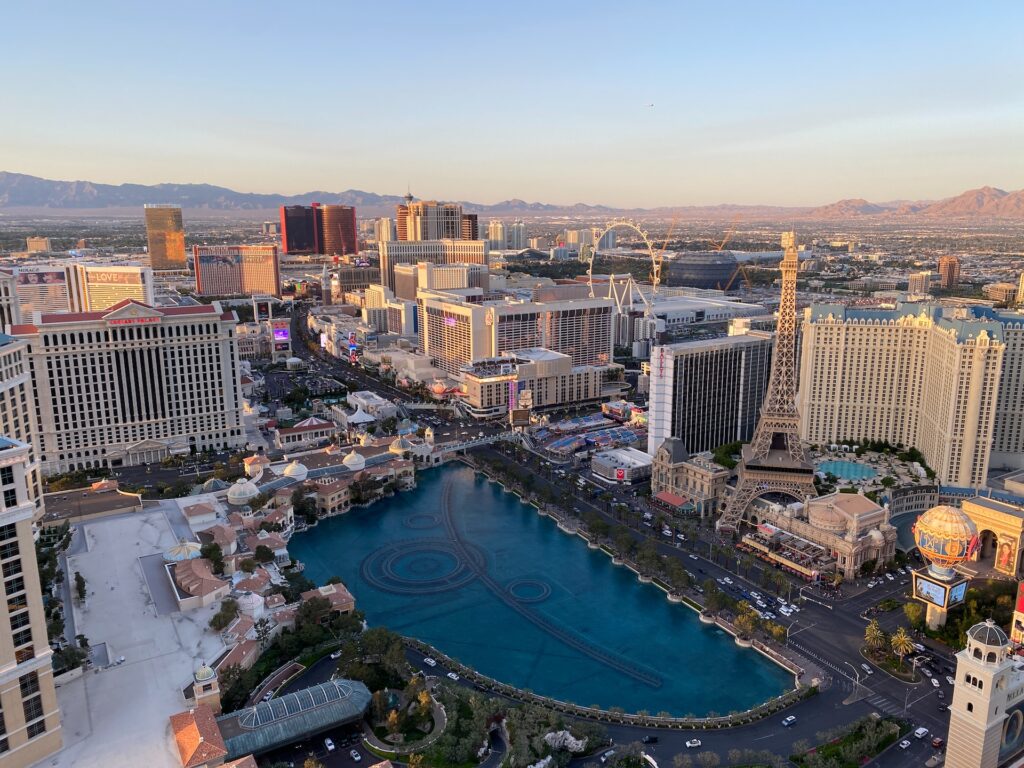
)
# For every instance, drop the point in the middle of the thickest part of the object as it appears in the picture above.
(281, 334)
(113, 277)
(262, 310)
(281, 346)
(929, 591)
(957, 592)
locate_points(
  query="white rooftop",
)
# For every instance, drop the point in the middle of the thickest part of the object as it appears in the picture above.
(123, 710)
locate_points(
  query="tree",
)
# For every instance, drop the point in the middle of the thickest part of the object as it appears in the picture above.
(79, 586)
(714, 600)
(263, 627)
(915, 614)
(264, 554)
(682, 760)
(708, 760)
(312, 611)
(874, 637)
(248, 565)
(393, 722)
(215, 555)
(312, 762)
(901, 643)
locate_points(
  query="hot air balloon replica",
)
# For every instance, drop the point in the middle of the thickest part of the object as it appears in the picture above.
(945, 537)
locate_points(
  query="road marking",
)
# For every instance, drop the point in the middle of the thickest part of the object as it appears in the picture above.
(762, 738)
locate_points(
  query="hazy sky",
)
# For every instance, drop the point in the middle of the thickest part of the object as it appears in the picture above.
(756, 102)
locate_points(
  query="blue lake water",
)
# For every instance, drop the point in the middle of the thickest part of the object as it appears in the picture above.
(490, 582)
(848, 470)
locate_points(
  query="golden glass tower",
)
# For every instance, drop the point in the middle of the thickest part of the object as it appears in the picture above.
(166, 236)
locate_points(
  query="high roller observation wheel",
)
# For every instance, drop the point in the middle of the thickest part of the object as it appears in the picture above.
(656, 258)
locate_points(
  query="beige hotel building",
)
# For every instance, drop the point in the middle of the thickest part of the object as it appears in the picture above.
(393, 252)
(132, 384)
(912, 376)
(459, 327)
(30, 727)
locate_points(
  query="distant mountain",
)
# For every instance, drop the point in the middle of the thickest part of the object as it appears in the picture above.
(20, 191)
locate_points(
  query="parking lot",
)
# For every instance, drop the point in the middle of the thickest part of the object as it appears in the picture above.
(345, 739)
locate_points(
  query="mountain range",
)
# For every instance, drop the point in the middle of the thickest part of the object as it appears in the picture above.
(20, 192)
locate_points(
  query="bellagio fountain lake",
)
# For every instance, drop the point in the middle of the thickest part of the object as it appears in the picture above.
(468, 568)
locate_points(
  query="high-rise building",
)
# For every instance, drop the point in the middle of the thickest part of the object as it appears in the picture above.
(496, 235)
(10, 308)
(429, 220)
(708, 392)
(919, 283)
(470, 226)
(38, 245)
(1020, 290)
(338, 223)
(270, 228)
(355, 278)
(909, 376)
(165, 234)
(227, 270)
(30, 729)
(435, 251)
(384, 229)
(300, 229)
(17, 408)
(133, 384)
(75, 287)
(95, 287)
(1008, 429)
(949, 272)
(409, 278)
(515, 235)
(1001, 293)
(456, 331)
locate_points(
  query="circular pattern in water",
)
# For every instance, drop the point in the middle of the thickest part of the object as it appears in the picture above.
(421, 567)
(528, 590)
(422, 521)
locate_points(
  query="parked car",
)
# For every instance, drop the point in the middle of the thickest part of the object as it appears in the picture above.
(950, 680)
(429, 661)
(336, 655)
(356, 757)
(937, 742)
(935, 683)
(453, 676)
(904, 744)
(867, 669)
(329, 745)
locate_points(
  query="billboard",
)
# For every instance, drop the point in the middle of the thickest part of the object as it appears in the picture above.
(282, 346)
(262, 310)
(41, 276)
(113, 277)
(620, 475)
(1017, 627)
(353, 347)
(519, 417)
(938, 593)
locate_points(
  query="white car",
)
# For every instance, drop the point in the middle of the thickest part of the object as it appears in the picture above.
(693, 744)
(356, 757)
(890, 577)
(950, 680)
(787, 722)
(727, 580)
(905, 744)
(453, 676)
(429, 661)
(693, 557)
(927, 672)
(935, 683)
(329, 745)
(666, 532)
(681, 536)
(867, 669)
(785, 612)
(336, 655)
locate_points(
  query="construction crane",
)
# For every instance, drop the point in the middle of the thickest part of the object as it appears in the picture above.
(664, 246)
(740, 268)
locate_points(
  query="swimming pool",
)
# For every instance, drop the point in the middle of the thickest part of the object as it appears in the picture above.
(847, 470)
(463, 565)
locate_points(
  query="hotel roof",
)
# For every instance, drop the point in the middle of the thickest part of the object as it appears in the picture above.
(197, 736)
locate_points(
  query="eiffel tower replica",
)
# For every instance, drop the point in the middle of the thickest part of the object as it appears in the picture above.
(774, 461)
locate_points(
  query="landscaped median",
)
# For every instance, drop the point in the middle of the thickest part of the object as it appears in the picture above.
(614, 715)
(850, 746)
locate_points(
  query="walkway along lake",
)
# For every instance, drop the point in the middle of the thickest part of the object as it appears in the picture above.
(467, 567)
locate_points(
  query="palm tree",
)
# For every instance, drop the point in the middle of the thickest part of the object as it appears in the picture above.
(901, 643)
(874, 637)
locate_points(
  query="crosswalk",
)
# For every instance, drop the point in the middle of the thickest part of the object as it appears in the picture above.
(817, 658)
(883, 704)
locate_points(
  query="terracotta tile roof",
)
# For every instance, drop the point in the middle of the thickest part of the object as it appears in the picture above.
(271, 540)
(196, 577)
(257, 582)
(221, 535)
(198, 510)
(197, 736)
(257, 459)
(337, 594)
(250, 762)
(274, 601)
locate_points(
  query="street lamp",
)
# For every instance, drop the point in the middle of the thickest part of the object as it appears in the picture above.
(856, 673)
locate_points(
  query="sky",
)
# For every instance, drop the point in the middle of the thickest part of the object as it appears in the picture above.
(785, 103)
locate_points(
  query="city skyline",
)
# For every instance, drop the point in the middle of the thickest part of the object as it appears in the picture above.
(799, 105)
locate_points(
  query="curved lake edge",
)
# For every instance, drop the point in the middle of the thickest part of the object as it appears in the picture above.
(704, 619)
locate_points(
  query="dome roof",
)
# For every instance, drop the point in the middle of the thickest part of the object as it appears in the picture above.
(294, 361)
(826, 517)
(242, 492)
(988, 633)
(215, 484)
(296, 471)
(250, 603)
(183, 550)
(399, 445)
(354, 461)
(205, 673)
